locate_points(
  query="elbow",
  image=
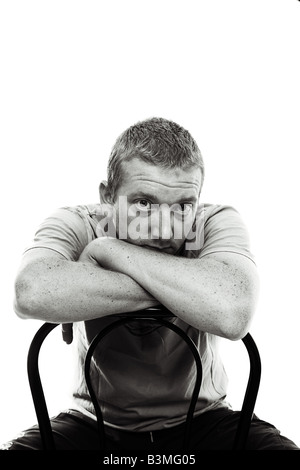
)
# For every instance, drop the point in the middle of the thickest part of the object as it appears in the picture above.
(234, 333)
(238, 322)
(25, 301)
(239, 314)
(22, 309)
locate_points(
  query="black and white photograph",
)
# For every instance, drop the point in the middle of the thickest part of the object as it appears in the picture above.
(150, 228)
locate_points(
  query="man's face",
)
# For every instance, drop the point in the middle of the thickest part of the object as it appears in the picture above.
(156, 207)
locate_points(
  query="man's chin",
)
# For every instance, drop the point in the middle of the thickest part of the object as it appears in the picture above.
(169, 249)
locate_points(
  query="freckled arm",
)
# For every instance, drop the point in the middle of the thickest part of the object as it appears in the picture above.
(216, 293)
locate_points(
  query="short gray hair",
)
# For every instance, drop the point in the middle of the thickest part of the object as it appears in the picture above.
(156, 141)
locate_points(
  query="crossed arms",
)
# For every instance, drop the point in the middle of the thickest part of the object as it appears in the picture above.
(216, 293)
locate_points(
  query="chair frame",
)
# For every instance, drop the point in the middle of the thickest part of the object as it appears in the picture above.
(155, 315)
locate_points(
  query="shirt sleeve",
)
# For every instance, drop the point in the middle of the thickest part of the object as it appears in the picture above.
(64, 232)
(219, 229)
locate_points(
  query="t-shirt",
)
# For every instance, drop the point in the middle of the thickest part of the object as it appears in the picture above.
(144, 377)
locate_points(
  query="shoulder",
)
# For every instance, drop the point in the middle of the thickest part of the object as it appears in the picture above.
(79, 217)
(218, 216)
(217, 211)
(67, 230)
(82, 211)
(218, 228)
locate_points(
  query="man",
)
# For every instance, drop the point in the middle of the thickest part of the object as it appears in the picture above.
(149, 242)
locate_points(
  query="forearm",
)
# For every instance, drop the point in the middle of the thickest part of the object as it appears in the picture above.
(215, 294)
(186, 289)
(182, 287)
(62, 291)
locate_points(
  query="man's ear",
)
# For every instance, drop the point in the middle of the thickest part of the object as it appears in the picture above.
(105, 197)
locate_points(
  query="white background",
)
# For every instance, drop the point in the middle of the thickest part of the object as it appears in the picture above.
(75, 74)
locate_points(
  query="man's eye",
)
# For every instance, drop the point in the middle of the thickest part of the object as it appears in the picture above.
(143, 205)
(184, 209)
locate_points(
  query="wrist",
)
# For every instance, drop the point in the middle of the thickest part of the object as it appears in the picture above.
(108, 252)
(121, 256)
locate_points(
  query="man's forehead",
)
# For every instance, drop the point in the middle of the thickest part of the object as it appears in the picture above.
(154, 188)
(143, 174)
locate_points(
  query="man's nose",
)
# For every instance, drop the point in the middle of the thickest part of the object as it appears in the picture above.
(162, 223)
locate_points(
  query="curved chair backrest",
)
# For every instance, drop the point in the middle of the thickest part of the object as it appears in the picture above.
(157, 315)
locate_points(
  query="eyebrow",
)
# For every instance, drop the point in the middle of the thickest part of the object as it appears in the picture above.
(145, 195)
